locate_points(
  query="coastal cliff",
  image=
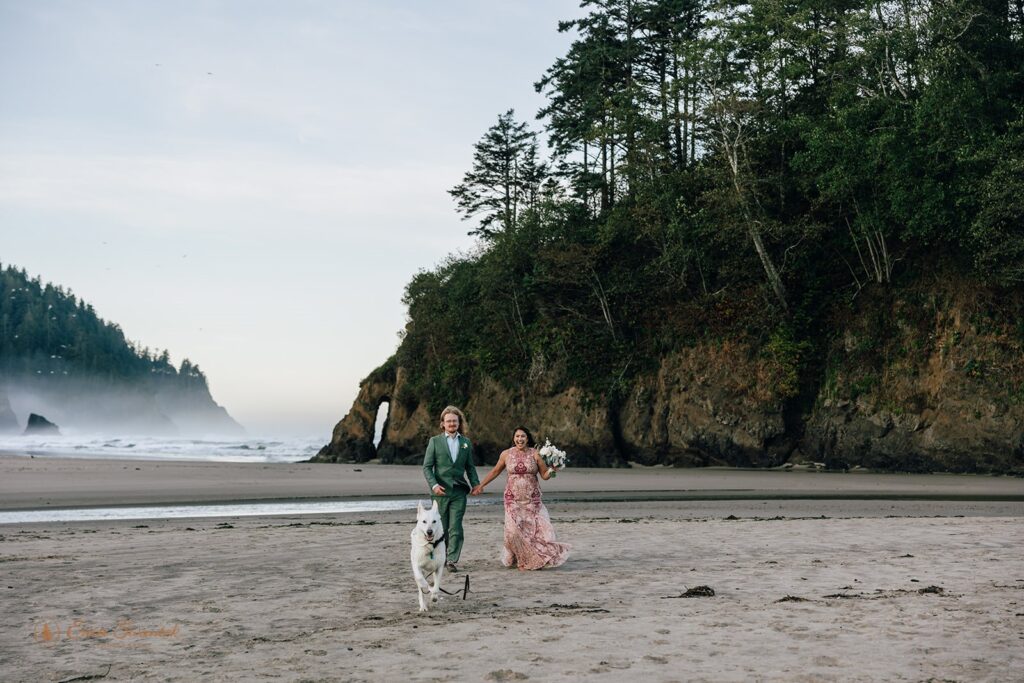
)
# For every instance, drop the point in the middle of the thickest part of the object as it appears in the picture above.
(754, 259)
(928, 379)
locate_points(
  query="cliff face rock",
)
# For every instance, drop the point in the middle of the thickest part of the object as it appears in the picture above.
(927, 379)
(195, 412)
(576, 425)
(8, 420)
(703, 406)
(707, 405)
(945, 390)
(491, 414)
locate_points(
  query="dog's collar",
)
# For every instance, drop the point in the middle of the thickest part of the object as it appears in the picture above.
(436, 543)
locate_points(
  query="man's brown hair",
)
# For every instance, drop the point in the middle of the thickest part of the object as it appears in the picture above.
(463, 428)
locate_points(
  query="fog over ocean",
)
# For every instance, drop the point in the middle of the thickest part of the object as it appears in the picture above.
(213, 449)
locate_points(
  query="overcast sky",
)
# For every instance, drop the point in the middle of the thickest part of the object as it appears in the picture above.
(252, 184)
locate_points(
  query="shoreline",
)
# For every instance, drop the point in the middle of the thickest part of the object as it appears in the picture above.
(570, 498)
(63, 483)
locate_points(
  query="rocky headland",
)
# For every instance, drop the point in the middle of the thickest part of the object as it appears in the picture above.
(58, 358)
(930, 378)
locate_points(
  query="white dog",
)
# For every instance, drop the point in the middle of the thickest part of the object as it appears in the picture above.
(428, 552)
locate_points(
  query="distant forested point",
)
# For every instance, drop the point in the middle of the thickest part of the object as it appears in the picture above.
(47, 332)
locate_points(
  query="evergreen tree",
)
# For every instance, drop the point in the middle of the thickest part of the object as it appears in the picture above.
(505, 179)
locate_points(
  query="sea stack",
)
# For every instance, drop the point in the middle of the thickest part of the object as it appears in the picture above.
(37, 424)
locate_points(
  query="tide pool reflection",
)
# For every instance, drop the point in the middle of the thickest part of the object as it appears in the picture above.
(198, 511)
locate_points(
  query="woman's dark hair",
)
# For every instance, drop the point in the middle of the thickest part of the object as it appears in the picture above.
(529, 436)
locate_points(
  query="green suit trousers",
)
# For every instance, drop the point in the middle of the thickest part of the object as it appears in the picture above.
(452, 509)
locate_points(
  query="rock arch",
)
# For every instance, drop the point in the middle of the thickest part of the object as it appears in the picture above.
(352, 439)
(405, 433)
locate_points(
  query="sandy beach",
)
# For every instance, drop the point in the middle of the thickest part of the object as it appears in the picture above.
(815, 576)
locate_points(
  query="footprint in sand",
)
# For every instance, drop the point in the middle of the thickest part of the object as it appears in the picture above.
(506, 675)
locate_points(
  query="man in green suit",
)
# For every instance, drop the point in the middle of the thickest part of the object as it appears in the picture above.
(446, 464)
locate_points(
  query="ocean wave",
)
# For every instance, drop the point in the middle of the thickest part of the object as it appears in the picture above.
(252, 449)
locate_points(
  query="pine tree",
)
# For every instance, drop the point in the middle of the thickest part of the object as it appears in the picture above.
(505, 179)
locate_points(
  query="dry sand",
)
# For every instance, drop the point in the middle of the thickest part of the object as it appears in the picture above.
(849, 581)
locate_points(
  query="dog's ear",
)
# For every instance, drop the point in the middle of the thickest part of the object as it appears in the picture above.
(419, 506)
(434, 506)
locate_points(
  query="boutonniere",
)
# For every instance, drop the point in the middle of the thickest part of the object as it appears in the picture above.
(465, 445)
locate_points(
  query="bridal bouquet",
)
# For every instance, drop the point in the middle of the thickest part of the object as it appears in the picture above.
(553, 457)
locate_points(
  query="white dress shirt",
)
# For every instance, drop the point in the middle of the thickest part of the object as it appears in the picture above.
(453, 445)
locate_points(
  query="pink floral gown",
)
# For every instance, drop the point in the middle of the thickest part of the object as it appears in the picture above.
(529, 537)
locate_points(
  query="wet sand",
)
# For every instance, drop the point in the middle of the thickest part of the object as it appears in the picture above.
(40, 482)
(824, 577)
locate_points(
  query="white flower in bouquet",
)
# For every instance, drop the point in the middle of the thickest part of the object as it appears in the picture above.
(553, 457)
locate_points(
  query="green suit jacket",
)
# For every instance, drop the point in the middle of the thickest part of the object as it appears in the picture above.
(438, 467)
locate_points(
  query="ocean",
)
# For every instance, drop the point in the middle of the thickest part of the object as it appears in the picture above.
(250, 449)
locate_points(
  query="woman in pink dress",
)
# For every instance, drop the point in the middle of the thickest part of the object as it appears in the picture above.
(529, 537)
